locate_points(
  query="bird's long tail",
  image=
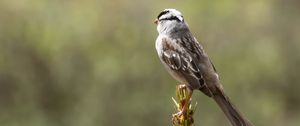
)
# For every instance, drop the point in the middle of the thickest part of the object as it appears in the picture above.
(234, 116)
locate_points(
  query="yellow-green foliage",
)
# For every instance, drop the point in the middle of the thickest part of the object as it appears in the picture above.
(181, 118)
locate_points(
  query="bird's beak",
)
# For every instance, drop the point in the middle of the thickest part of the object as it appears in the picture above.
(156, 21)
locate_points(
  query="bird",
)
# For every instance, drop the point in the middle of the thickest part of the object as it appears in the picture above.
(185, 59)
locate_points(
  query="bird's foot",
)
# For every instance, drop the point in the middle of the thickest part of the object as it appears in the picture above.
(184, 111)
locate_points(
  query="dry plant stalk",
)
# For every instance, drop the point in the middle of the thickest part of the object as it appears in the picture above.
(183, 119)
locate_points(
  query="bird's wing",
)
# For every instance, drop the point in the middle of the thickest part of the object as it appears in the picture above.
(198, 50)
(181, 59)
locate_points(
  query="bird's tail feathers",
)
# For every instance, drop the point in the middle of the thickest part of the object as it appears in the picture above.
(234, 116)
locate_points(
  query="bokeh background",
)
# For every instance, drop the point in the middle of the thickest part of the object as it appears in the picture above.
(93, 62)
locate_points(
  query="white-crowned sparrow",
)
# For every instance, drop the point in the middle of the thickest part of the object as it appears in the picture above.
(180, 53)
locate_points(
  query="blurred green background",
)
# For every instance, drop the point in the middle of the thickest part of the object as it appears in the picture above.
(93, 63)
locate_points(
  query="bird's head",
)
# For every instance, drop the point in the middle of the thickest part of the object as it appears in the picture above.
(168, 19)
